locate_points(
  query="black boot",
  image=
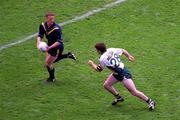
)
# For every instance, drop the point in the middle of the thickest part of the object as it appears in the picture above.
(51, 75)
(71, 56)
(68, 55)
(118, 99)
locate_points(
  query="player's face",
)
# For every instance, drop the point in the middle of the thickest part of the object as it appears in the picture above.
(50, 20)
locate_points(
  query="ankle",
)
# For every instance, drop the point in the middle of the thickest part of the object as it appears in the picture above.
(148, 100)
(117, 96)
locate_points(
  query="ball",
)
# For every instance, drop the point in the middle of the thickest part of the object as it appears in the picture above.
(42, 46)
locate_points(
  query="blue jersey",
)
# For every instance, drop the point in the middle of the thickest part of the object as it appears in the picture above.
(52, 33)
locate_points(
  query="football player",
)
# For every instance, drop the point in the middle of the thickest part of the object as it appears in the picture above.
(110, 58)
(53, 33)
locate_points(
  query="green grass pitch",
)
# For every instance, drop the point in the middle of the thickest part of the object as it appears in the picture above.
(148, 29)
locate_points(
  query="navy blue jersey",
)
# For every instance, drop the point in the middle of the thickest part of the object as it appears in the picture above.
(53, 33)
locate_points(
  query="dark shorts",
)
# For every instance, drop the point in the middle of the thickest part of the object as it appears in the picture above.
(53, 52)
(120, 73)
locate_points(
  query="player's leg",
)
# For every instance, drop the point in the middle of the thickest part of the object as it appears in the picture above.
(49, 65)
(108, 85)
(129, 84)
(62, 56)
(67, 55)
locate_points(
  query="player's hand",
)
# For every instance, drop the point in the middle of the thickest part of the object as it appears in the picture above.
(131, 58)
(90, 62)
(47, 49)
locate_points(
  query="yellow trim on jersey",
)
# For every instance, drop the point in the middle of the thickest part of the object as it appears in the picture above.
(44, 27)
(52, 30)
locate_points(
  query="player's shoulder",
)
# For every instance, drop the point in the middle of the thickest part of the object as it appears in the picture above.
(41, 24)
(103, 56)
(115, 49)
(111, 49)
(57, 26)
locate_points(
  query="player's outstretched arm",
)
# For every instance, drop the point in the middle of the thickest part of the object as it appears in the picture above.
(129, 56)
(94, 66)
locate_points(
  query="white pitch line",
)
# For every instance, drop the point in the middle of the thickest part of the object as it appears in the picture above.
(75, 19)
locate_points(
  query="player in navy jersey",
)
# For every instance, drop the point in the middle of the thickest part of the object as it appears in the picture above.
(110, 58)
(53, 33)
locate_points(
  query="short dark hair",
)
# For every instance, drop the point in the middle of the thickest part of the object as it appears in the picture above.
(50, 14)
(100, 47)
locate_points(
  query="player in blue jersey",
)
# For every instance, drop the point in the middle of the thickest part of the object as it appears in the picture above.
(110, 58)
(53, 33)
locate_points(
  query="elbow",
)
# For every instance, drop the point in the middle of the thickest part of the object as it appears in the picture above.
(124, 51)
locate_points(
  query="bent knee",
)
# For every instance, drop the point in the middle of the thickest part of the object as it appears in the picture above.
(106, 85)
(46, 64)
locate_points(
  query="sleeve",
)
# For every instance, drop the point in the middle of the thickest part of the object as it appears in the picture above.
(41, 31)
(101, 64)
(119, 51)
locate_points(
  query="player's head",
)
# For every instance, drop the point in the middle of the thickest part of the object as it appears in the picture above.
(50, 18)
(100, 47)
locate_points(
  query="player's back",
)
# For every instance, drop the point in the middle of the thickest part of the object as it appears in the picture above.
(111, 58)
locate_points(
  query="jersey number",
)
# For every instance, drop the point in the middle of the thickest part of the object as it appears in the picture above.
(115, 60)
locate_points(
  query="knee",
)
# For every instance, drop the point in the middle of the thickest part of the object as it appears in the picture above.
(46, 64)
(106, 85)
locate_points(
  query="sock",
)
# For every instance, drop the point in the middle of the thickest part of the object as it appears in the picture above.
(117, 96)
(148, 100)
(51, 72)
(60, 57)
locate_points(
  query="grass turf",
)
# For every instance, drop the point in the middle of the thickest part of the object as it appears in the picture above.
(149, 30)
